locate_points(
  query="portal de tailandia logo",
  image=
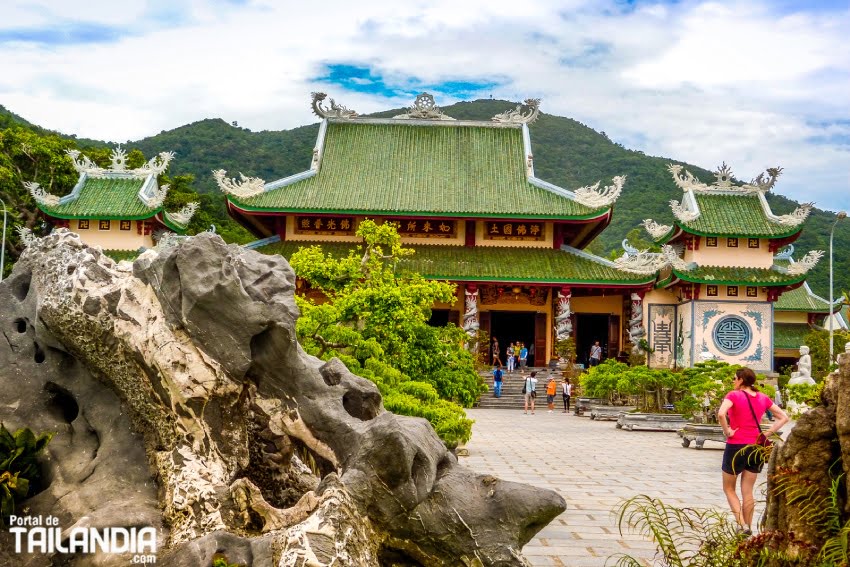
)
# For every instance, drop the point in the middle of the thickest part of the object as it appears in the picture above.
(44, 535)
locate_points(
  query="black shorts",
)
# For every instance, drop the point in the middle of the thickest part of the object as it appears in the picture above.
(739, 458)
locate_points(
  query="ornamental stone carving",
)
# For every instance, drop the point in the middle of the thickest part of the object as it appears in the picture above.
(654, 229)
(470, 314)
(643, 262)
(636, 330)
(563, 316)
(763, 183)
(424, 108)
(785, 254)
(26, 236)
(516, 115)
(155, 166)
(158, 197)
(182, 217)
(682, 212)
(244, 188)
(335, 110)
(41, 196)
(804, 264)
(592, 196)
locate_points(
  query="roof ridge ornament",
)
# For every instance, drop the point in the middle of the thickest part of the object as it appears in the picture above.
(644, 262)
(424, 108)
(41, 196)
(592, 196)
(335, 110)
(682, 212)
(158, 196)
(804, 264)
(654, 229)
(182, 217)
(244, 188)
(516, 116)
(786, 253)
(796, 217)
(155, 166)
(763, 183)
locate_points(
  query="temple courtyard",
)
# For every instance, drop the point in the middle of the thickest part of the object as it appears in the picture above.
(594, 466)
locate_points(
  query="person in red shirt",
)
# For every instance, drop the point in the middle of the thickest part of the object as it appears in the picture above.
(740, 416)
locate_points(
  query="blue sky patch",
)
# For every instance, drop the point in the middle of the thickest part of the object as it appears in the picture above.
(64, 34)
(363, 79)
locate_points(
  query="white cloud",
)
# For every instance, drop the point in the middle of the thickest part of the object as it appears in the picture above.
(697, 81)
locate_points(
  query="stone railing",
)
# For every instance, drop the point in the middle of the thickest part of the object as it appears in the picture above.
(702, 432)
(611, 413)
(583, 405)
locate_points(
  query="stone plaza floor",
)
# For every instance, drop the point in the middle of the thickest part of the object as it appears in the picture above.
(594, 466)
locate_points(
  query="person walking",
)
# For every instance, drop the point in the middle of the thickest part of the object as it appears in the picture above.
(744, 406)
(566, 393)
(523, 356)
(511, 354)
(496, 359)
(551, 390)
(595, 354)
(529, 389)
(497, 381)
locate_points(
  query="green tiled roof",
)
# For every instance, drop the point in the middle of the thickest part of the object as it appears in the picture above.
(735, 215)
(439, 170)
(544, 265)
(789, 335)
(801, 299)
(725, 275)
(105, 198)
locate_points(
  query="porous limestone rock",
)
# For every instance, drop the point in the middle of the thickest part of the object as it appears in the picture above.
(182, 400)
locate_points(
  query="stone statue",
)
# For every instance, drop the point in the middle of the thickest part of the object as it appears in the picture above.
(563, 323)
(804, 369)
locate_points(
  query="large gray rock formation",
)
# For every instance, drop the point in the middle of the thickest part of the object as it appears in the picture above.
(182, 400)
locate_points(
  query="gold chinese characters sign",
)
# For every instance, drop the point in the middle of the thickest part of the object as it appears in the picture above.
(498, 230)
(425, 228)
(324, 225)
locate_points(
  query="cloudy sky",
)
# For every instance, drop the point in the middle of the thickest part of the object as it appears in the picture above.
(754, 83)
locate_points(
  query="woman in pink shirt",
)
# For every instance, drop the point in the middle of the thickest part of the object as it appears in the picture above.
(744, 406)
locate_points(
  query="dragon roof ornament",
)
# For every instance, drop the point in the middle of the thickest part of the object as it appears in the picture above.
(516, 116)
(644, 262)
(41, 196)
(26, 236)
(155, 166)
(654, 229)
(682, 212)
(796, 217)
(335, 110)
(424, 108)
(182, 217)
(785, 254)
(763, 183)
(157, 197)
(591, 196)
(244, 188)
(804, 264)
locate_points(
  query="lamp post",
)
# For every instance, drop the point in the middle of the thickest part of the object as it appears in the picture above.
(3, 244)
(838, 217)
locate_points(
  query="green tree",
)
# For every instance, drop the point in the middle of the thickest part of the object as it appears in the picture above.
(375, 319)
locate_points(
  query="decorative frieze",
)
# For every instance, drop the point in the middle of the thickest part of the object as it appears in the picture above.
(514, 230)
(513, 294)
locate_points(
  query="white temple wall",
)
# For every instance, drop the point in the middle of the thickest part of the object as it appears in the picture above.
(724, 255)
(112, 238)
(737, 332)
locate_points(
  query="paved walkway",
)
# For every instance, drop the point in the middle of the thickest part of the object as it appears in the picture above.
(594, 466)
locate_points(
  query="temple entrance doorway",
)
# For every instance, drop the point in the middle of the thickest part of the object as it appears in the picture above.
(589, 329)
(510, 327)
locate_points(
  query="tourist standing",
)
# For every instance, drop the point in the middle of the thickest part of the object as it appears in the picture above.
(523, 356)
(510, 353)
(496, 359)
(530, 388)
(595, 354)
(551, 390)
(566, 393)
(497, 381)
(745, 406)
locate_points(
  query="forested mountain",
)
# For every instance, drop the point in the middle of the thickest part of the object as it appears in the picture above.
(566, 153)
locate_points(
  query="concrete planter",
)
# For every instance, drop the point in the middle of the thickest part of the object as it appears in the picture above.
(702, 432)
(611, 413)
(583, 405)
(653, 421)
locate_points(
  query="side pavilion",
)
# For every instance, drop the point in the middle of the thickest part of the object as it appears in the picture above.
(464, 195)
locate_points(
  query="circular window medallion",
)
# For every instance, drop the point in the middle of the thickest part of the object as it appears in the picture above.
(732, 335)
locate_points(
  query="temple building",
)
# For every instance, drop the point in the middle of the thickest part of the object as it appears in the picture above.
(724, 267)
(465, 197)
(116, 208)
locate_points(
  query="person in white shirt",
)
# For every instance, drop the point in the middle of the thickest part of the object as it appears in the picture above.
(566, 393)
(595, 354)
(529, 389)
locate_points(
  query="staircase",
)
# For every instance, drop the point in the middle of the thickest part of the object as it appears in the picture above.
(512, 397)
